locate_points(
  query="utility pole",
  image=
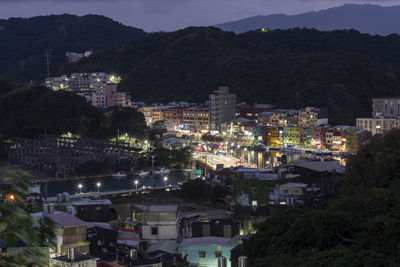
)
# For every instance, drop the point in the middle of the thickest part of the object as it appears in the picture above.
(47, 57)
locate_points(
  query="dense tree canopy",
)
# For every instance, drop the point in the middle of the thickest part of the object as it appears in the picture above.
(31, 111)
(341, 70)
(359, 227)
(24, 41)
(18, 227)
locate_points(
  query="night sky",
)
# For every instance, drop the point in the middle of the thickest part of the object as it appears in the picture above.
(155, 15)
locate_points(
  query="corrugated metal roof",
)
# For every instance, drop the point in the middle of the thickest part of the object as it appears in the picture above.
(65, 219)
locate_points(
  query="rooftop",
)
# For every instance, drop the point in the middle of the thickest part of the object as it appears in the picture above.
(321, 166)
(295, 185)
(84, 202)
(65, 219)
(78, 258)
(204, 241)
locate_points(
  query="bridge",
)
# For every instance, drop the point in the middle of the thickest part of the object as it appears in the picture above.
(112, 193)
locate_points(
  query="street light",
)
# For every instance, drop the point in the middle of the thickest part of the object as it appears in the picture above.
(80, 188)
(165, 181)
(98, 187)
(136, 183)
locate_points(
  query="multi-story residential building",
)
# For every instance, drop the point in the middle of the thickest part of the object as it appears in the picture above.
(69, 231)
(377, 125)
(251, 111)
(111, 93)
(73, 259)
(175, 115)
(159, 222)
(158, 113)
(287, 194)
(196, 119)
(99, 99)
(97, 88)
(278, 118)
(291, 136)
(385, 115)
(222, 108)
(147, 113)
(312, 117)
(385, 107)
(95, 81)
(207, 251)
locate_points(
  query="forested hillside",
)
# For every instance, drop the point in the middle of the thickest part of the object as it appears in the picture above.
(359, 227)
(341, 70)
(24, 41)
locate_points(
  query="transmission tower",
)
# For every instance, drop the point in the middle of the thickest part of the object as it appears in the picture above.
(47, 58)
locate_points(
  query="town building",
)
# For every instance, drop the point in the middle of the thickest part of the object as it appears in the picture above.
(387, 107)
(222, 108)
(206, 251)
(378, 125)
(73, 259)
(98, 210)
(287, 194)
(312, 117)
(251, 111)
(175, 115)
(69, 230)
(385, 116)
(196, 119)
(278, 118)
(158, 222)
(73, 57)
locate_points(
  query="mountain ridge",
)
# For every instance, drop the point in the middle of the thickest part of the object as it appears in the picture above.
(348, 16)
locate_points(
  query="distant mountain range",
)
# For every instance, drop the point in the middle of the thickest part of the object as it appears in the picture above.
(23, 41)
(372, 19)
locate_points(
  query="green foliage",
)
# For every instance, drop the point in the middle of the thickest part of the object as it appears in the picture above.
(30, 111)
(16, 224)
(341, 70)
(218, 194)
(357, 228)
(194, 189)
(24, 41)
(166, 157)
(126, 119)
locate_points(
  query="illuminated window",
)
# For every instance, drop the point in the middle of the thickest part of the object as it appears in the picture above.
(254, 203)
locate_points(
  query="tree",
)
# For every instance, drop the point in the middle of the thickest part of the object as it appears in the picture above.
(16, 224)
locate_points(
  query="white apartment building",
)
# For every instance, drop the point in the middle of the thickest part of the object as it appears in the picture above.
(159, 222)
(222, 108)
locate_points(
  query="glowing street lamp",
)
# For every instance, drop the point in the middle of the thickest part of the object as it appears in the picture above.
(98, 187)
(80, 188)
(136, 183)
(165, 181)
